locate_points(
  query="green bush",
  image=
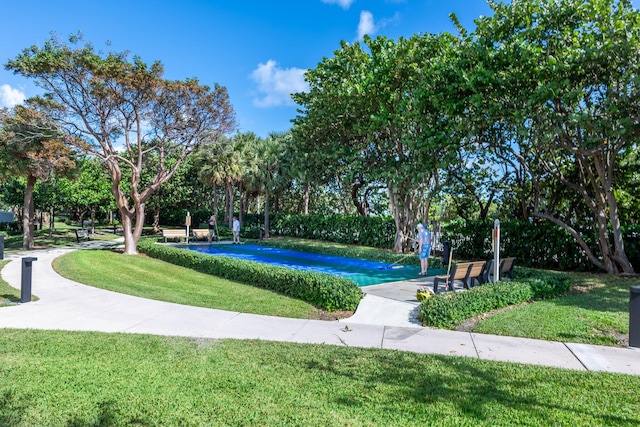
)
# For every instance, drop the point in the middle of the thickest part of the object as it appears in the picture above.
(544, 284)
(376, 231)
(448, 310)
(322, 290)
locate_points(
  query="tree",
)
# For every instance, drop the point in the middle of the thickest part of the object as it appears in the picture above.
(89, 190)
(268, 174)
(370, 119)
(571, 72)
(121, 111)
(182, 190)
(220, 165)
(32, 145)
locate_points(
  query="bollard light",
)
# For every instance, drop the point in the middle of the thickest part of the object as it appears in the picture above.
(25, 285)
(634, 316)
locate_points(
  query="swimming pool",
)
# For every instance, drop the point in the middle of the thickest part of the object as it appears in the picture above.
(363, 272)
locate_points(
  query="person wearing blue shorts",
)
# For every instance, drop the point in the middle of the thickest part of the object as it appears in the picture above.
(424, 248)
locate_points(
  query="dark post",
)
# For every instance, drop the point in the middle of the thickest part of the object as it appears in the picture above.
(1, 246)
(446, 252)
(634, 316)
(25, 286)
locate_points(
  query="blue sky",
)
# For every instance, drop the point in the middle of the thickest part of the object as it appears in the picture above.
(257, 49)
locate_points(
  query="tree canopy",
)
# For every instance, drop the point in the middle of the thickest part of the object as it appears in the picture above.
(121, 110)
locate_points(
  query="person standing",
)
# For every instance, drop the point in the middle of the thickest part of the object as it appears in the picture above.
(424, 247)
(236, 231)
(212, 227)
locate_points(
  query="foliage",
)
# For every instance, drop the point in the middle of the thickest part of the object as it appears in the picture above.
(369, 123)
(536, 243)
(33, 146)
(558, 82)
(88, 191)
(377, 232)
(109, 100)
(448, 310)
(323, 290)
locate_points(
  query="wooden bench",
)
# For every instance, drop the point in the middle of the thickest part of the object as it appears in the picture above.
(465, 272)
(82, 234)
(200, 233)
(173, 234)
(506, 269)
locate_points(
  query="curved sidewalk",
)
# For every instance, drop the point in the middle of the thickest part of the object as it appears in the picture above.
(67, 305)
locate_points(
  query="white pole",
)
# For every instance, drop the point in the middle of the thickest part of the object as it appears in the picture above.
(188, 222)
(496, 250)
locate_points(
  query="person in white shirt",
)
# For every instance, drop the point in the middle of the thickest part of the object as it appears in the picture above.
(236, 231)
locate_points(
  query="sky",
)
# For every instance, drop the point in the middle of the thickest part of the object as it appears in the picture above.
(258, 50)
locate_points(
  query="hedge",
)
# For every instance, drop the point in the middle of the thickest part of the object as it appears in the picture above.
(320, 289)
(448, 310)
(539, 243)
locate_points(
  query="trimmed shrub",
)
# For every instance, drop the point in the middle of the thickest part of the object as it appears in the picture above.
(375, 231)
(322, 290)
(449, 309)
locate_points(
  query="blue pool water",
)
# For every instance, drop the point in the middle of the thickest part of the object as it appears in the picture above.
(363, 272)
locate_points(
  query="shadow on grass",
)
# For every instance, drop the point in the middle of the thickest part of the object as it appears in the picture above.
(10, 299)
(478, 390)
(606, 298)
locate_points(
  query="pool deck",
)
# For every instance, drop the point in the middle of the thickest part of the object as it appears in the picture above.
(383, 320)
(392, 304)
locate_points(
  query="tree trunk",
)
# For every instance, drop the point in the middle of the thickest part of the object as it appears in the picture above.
(619, 254)
(306, 197)
(266, 215)
(132, 225)
(574, 233)
(216, 202)
(229, 201)
(51, 221)
(241, 197)
(93, 220)
(156, 219)
(27, 214)
(402, 207)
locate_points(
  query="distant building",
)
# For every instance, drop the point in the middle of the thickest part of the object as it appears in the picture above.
(7, 216)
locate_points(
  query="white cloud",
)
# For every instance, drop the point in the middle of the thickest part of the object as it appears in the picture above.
(366, 24)
(276, 84)
(10, 97)
(342, 3)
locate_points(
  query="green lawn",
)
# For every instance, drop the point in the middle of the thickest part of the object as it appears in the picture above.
(150, 278)
(50, 378)
(62, 235)
(8, 294)
(55, 378)
(596, 312)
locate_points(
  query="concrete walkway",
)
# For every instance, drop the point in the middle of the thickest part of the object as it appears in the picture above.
(380, 322)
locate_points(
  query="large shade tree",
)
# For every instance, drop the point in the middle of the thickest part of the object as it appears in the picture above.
(370, 119)
(122, 110)
(563, 77)
(33, 146)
